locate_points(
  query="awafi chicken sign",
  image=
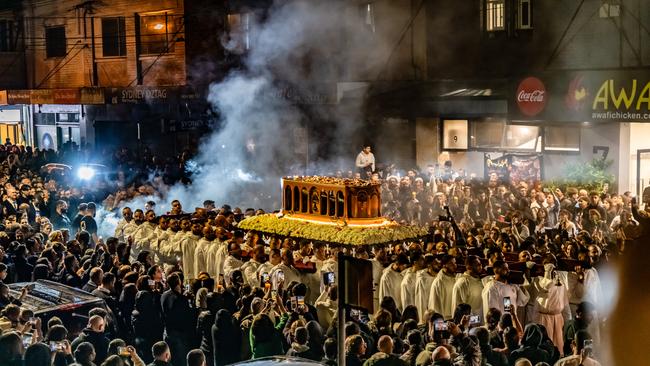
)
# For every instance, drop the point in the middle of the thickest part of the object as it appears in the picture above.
(587, 96)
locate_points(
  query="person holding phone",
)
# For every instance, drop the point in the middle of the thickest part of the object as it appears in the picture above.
(497, 292)
(284, 273)
(582, 351)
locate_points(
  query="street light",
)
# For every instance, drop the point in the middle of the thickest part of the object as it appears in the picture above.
(86, 173)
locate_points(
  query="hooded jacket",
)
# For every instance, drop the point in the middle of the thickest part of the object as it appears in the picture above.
(530, 347)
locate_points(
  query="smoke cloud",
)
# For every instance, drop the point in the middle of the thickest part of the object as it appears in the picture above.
(298, 51)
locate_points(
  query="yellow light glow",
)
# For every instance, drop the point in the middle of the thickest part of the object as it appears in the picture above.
(158, 26)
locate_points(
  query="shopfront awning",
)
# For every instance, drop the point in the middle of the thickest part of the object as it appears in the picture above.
(100, 95)
(432, 98)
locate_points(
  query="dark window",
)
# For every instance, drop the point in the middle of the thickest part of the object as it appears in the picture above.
(55, 42)
(7, 34)
(113, 37)
(562, 138)
(158, 33)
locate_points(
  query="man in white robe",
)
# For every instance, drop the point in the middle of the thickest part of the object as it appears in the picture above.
(551, 302)
(423, 280)
(145, 235)
(275, 258)
(233, 261)
(498, 289)
(584, 285)
(442, 288)
(131, 229)
(201, 252)
(408, 282)
(289, 273)
(188, 247)
(469, 287)
(378, 261)
(127, 217)
(165, 243)
(391, 280)
(249, 269)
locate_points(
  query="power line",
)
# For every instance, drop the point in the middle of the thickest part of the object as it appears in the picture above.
(54, 69)
(165, 50)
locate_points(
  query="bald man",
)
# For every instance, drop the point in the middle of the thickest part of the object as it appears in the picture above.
(94, 333)
(384, 355)
(441, 353)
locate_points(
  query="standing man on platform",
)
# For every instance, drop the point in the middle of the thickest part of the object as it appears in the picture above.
(365, 162)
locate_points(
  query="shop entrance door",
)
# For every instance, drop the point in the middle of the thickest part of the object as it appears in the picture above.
(13, 132)
(642, 170)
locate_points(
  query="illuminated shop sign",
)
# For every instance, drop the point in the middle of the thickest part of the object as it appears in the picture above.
(590, 96)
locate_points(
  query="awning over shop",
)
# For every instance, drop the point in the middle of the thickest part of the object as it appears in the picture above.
(100, 95)
(433, 98)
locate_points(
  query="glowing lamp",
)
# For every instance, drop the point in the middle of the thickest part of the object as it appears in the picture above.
(158, 26)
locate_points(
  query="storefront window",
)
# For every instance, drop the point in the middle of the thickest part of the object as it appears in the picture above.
(521, 137)
(487, 133)
(454, 134)
(561, 138)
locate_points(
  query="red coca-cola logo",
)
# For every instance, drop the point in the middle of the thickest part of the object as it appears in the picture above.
(531, 96)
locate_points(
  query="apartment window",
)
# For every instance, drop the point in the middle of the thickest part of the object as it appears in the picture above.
(239, 27)
(368, 14)
(55, 42)
(495, 15)
(158, 33)
(7, 34)
(113, 37)
(524, 14)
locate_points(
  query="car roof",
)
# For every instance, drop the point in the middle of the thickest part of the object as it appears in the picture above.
(279, 360)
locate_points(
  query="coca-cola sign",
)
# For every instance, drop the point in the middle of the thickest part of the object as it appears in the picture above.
(531, 96)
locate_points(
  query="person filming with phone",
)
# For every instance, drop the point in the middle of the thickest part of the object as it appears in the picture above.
(498, 293)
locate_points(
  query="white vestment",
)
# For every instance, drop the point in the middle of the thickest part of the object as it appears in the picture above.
(440, 296)
(408, 288)
(290, 274)
(230, 265)
(551, 307)
(468, 290)
(423, 282)
(249, 270)
(389, 285)
(201, 256)
(495, 291)
(188, 247)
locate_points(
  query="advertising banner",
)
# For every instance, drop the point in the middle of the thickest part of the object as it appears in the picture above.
(513, 168)
(582, 96)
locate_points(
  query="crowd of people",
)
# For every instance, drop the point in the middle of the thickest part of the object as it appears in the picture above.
(509, 275)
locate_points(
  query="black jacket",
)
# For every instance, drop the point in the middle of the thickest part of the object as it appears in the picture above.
(530, 347)
(98, 340)
(60, 222)
(160, 363)
(72, 279)
(23, 269)
(226, 339)
(146, 317)
(178, 316)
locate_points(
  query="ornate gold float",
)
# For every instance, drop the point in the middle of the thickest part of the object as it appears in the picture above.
(333, 210)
